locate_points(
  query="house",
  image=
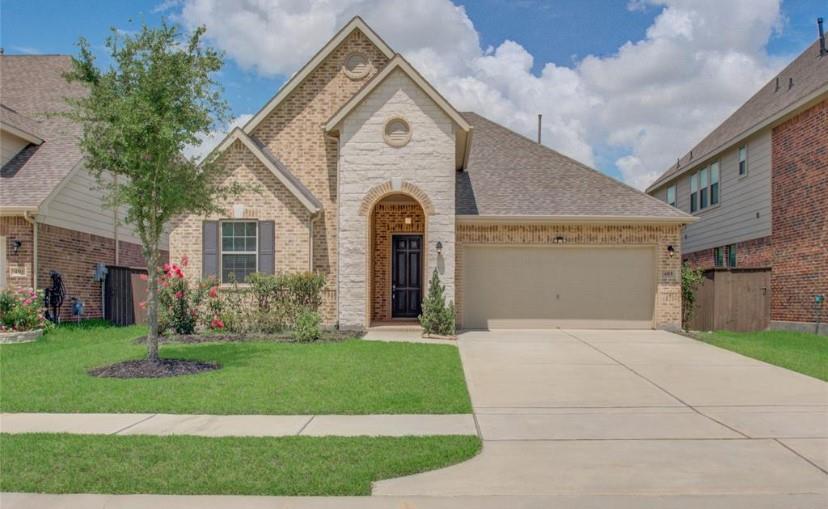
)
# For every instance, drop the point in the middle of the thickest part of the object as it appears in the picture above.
(52, 218)
(359, 169)
(758, 183)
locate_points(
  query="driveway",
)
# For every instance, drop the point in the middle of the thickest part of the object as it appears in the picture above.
(634, 413)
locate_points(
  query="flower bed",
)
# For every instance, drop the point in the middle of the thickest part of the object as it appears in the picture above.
(21, 315)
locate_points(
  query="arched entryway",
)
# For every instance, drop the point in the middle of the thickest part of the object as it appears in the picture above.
(397, 258)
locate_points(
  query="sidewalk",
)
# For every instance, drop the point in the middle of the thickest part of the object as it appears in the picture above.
(239, 425)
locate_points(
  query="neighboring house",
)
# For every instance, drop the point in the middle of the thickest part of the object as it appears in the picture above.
(51, 213)
(759, 185)
(359, 169)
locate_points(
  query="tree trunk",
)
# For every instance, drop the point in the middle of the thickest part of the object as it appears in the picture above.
(152, 304)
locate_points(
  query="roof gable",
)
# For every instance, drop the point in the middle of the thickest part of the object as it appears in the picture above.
(272, 163)
(355, 24)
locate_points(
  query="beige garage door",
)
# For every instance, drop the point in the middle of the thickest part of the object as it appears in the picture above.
(542, 287)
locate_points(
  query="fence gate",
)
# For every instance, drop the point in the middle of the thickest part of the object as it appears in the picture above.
(122, 295)
(733, 299)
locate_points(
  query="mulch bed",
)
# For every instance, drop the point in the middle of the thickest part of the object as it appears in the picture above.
(146, 369)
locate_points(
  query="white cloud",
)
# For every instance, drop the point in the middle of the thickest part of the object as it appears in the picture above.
(651, 100)
(209, 141)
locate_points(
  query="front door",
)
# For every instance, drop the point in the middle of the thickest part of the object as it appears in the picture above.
(406, 261)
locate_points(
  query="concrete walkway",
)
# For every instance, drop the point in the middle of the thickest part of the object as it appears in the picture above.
(240, 425)
(633, 413)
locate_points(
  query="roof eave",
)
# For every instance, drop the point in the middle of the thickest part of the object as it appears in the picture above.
(575, 219)
(20, 133)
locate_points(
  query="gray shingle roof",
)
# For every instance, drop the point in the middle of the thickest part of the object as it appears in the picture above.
(510, 175)
(10, 117)
(32, 87)
(807, 73)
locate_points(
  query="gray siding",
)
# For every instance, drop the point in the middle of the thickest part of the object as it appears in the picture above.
(740, 199)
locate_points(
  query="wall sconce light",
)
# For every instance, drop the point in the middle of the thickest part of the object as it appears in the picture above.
(559, 240)
(439, 247)
(671, 251)
(16, 246)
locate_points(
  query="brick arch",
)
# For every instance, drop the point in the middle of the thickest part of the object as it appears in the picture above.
(380, 191)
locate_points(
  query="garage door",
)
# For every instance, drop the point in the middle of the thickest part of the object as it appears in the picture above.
(542, 287)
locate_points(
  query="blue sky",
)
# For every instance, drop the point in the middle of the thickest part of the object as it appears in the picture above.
(555, 35)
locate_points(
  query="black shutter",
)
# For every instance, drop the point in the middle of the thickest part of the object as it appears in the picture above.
(209, 248)
(267, 247)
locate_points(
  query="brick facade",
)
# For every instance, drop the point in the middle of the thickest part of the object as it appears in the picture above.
(667, 312)
(800, 215)
(389, 218)
(754, 253)
(72, 253)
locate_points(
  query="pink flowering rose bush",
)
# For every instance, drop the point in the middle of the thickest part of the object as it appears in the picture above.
(184, 306)
(21, 310)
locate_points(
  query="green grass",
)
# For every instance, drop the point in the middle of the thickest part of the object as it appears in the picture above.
(60, 463)
(349, 377)
(797, 351)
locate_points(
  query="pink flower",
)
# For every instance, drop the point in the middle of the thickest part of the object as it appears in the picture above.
(27, 301)
(216, 323)
(179, 294)
(166, 267)
(213, 293)
(142, 304)
(185, 261)
(144, 277)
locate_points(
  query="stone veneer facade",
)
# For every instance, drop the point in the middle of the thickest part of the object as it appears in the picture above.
(667, 311)
(423, 169)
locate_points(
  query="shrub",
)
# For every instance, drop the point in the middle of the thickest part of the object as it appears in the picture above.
(21, 310)
(437, 317)
(307, 326)
(179, 303)
(690, 280)
(282, 298)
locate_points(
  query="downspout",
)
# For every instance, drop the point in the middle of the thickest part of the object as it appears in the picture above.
(32, 221)
(311, 222)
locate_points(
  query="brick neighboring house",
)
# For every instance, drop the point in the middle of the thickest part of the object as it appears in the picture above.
(759, 185)
(365, 173)
(51, 214)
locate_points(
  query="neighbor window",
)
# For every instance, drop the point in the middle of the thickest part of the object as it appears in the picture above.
(238, 250)
(743, 163)
(718, 257)
(671, 195)
(714, 183)
(731, 255)
(704, 188)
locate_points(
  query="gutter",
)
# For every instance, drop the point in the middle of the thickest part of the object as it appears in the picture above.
(574, 219)
(32, 221)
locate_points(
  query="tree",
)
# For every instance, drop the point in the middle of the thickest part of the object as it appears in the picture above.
(691, 278)
(437, 317)
(156, 97)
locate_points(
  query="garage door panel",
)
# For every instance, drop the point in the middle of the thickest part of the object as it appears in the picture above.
(542, 287)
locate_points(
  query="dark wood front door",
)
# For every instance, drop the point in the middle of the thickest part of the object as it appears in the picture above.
(406, 277)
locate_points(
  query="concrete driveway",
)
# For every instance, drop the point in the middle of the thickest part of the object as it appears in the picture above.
(634, 413)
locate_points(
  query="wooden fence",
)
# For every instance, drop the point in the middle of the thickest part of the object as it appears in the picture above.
(733, 299)
(123, 291)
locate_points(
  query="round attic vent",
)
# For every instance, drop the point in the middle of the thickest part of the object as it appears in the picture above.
(397, 132)
(356, 65)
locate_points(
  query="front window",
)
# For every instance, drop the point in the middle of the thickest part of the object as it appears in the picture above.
(671, 195)
(703, 188)
(238, 250)
(731, 255)
(714, 183)
(743, 163)
(694, 192)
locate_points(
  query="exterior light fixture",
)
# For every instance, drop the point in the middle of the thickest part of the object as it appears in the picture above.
(439, 247)
(16, 246)
(671, 251)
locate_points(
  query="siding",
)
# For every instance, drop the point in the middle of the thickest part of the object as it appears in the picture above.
(79, 206)
(10, 145)
(740, 199)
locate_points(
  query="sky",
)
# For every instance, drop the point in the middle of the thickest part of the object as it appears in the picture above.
(625, 86)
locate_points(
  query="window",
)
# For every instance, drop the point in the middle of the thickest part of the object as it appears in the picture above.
(238, 250)
(731, 255)
(671, 195)
(397, 132)
(694, 191)
(704, 188)
(743, 164)
(714, 183)
(718, 257)
(356, 65)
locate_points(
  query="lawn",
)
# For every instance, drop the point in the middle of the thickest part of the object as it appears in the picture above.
(797, 351)
(348, 377)
(60, 463)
